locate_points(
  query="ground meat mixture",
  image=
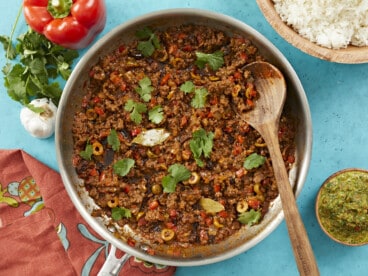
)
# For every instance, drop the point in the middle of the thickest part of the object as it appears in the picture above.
(159, 146)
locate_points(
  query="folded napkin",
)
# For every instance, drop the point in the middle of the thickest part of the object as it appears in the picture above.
(41, 232)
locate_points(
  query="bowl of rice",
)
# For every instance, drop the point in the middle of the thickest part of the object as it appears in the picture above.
(332, 30)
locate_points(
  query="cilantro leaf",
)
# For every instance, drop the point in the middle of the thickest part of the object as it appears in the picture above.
(145, 88)
(35, 109)
(6, 68)
(117, 213)
(52, 91)
(201, 144)
(113, 140)
(155, 41)
(187, 87)
(169, 184)
(200, 97)
(250, 217)
(37, 67)
(144, 33)
(87, 152)
(14, 83)
(123, 166)
(177, 173)
(150, 43)
(136, 109)
(155, 115)
(146, 48)
(215, 60)
(64, 70)
(17, 90)
(254, 161)
(8, 47)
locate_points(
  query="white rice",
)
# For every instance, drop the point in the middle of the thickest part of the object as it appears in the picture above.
(329, 23)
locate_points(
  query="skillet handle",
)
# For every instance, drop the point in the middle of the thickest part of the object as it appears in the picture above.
(112, 265)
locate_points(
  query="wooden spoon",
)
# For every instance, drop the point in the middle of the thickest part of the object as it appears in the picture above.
(265, 118)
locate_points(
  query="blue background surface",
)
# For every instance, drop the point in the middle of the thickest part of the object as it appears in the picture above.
(338, 98)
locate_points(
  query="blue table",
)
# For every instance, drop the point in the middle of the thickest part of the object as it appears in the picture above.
(338, 98)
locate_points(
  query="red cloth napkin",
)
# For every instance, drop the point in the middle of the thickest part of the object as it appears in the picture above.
(41, 232)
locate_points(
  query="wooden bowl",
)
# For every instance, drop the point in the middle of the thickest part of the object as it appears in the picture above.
(349, 55)
(335, 206)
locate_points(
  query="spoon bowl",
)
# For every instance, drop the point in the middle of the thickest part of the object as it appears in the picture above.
(269, 107)
(265, 117)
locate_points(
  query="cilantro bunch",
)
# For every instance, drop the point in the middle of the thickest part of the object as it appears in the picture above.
(37, 64)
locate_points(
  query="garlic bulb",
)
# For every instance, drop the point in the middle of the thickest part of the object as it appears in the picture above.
(39, 125)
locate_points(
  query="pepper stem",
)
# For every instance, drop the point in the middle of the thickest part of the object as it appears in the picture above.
(59, 8)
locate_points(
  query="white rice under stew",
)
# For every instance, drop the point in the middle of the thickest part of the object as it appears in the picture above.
(329, 23)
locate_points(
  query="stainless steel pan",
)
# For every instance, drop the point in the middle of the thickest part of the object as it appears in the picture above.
(71, 101)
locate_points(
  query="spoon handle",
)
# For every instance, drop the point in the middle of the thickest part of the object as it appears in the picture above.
(302, 248)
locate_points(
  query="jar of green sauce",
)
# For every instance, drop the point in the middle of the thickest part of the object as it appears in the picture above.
(342, 207)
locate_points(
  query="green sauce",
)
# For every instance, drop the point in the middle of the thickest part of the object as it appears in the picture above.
(343, 207)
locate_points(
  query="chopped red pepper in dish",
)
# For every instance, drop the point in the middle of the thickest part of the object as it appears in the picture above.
(70, 23)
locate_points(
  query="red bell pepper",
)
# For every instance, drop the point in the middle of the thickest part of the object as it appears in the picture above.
(70, 23)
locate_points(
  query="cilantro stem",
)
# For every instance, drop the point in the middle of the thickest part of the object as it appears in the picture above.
(12, 33)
